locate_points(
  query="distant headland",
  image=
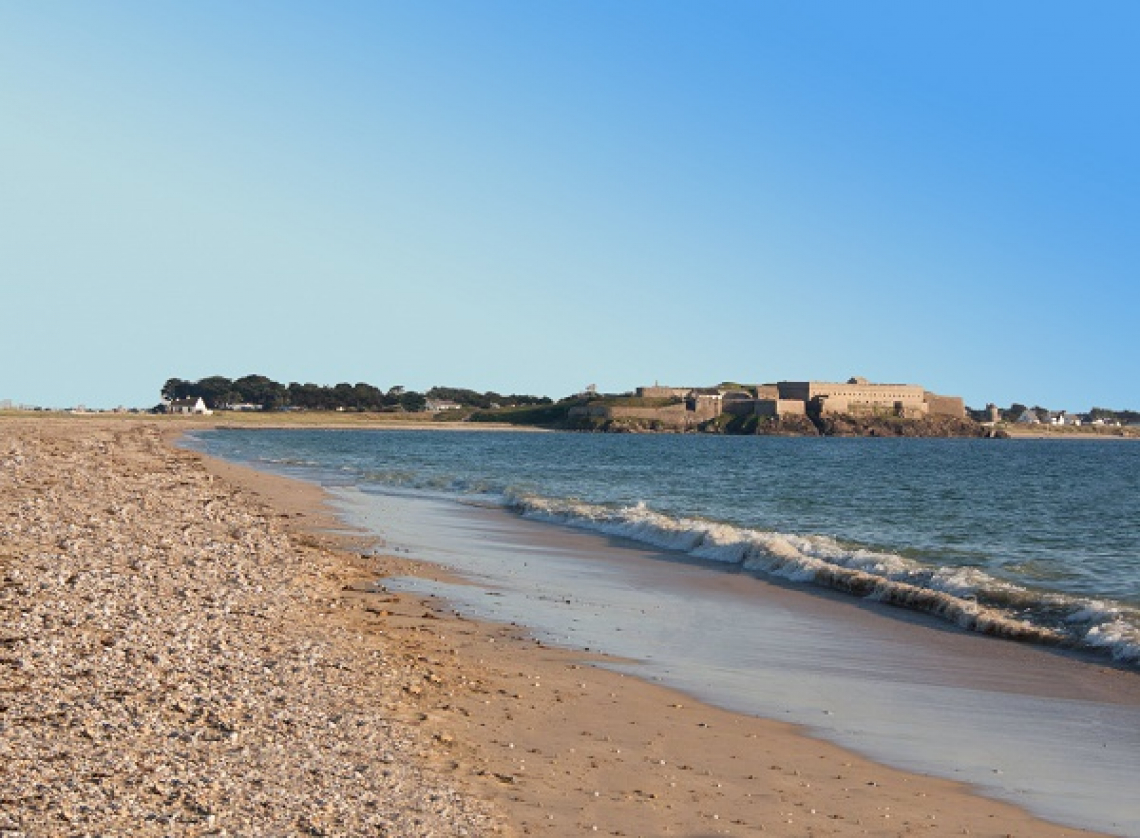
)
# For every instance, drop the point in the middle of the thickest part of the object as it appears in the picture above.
(855, 407)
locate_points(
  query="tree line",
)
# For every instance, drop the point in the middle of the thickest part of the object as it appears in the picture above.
(222, 393)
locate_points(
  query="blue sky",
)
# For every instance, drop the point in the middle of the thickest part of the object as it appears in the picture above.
(532, 197)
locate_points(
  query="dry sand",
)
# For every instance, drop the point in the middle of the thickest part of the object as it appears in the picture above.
(187, 649)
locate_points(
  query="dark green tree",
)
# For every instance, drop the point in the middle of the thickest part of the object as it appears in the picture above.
(412, 401)
(257, 389)
(175, 388)
(216, 391)
(368, 397)
(1013, 412)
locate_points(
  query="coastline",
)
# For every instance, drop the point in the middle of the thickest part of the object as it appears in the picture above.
(1121, 435)
(554, 744)
(328, 420)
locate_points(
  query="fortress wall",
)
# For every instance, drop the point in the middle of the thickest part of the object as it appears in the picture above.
(837, 393)
(676, 414)
(850, 407)
(595, 411)
(706, 407)
(872, 394)
(857, 398)
(740, 407)
(673, 413)
(946, 405)
(799, 391)
(663, 392)
(780, 407)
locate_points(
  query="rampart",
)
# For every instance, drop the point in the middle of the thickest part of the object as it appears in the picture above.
(856, 397)
(946, 405)
(677, 415)
(776, 408)
(656, 392)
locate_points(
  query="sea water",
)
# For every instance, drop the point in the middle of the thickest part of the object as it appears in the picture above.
(1033, 539)
(663, 549)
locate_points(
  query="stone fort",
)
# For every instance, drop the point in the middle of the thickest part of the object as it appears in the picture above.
(855, 397)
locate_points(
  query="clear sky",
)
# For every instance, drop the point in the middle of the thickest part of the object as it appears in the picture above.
(533, 197)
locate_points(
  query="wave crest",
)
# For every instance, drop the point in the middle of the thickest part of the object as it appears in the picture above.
(964, 596)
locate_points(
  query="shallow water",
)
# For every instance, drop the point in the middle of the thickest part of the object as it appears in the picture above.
(1058, 736)
(1031, 539)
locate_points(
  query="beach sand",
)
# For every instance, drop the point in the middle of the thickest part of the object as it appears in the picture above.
(190, 647)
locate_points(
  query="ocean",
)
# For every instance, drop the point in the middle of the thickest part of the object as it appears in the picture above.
(854, 586)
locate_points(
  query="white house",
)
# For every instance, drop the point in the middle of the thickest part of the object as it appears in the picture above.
(436, 405)
(1062, 418)
(195, 407)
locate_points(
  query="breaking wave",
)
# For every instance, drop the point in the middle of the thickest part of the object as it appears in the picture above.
(964, 596)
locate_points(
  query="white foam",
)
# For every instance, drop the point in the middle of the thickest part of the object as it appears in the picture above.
(1119, 638)
(952, 593)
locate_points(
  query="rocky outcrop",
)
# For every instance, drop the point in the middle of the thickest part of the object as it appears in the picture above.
(835, 425)
(761, 426)
(930, 426)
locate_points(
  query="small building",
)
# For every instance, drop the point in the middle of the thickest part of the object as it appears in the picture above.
(437, 405)
(189, 407)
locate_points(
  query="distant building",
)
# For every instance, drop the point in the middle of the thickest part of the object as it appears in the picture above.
(859, 397)
(854, 397)
(195, 407)
(438, 405)
(1062, 418)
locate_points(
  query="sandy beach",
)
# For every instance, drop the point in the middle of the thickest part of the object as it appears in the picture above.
(193, 648)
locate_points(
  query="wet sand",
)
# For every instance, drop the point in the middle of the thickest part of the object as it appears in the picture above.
(1043, 729)
(489, 731)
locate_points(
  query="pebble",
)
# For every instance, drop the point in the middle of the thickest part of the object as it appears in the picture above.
(164, 665)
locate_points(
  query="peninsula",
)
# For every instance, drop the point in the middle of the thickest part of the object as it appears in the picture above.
(855, 407)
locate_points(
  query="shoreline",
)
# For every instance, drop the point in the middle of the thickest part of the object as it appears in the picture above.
(1077, 436)
(688, 726)
(960, 702)
(372, 421)
(554, 743)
